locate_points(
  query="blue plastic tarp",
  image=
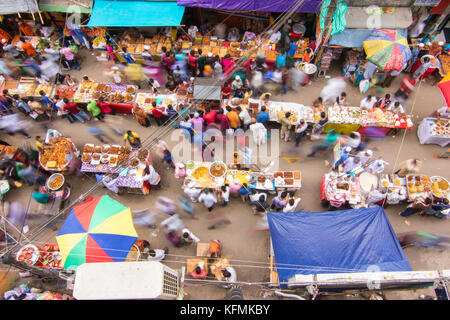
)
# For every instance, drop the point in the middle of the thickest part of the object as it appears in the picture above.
(353, 38)
(343, 241)
(108, 13)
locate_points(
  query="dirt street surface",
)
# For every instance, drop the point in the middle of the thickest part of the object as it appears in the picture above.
(249, 250)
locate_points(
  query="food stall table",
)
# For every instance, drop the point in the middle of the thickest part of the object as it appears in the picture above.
(418, 185)
(341, 189)
(191, 264)
(198, 175)
(429, 133)
(56, 157)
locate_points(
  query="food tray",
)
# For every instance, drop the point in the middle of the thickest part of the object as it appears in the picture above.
(95, 162)
(443, 191)
(414, 179)
(53, 177)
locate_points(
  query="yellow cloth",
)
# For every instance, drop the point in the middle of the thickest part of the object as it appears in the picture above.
(233, 118)
(341, 128)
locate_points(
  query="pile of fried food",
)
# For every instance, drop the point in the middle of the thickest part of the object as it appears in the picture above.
(54, 154)
(56, 182)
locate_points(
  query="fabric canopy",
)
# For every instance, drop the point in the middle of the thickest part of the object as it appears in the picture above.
(345, 241)
(253, 5)
(135, 14)
(15, 6)
(354, 38)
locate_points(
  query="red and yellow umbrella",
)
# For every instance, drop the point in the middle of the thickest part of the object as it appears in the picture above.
(444, 85)
(100, 230)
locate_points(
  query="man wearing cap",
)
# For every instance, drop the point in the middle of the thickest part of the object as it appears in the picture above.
(375, 167)
(344, 156)
(236, 84)
(146, 54)
(364, 156)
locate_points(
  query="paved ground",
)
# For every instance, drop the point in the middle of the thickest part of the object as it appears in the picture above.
(247, 248)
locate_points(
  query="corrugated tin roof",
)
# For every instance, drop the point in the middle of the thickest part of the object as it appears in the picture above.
(15, 6)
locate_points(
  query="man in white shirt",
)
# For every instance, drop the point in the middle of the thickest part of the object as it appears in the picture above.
(375, 196)
(300, 131)
(188, 236)
(351, 164)
(292, 205)
(208, 198)
(246, 120)
(395, 198)
(368, 102)
(443, 112)
(193, 193)
(192, 31)
(397, 108)
(375, 167)
(254, 195)
(156, 255)
(152, 177)
(220, 30)
(237, 83)
(364, 156)
(274, 36)
(154, 84)
(229, 273)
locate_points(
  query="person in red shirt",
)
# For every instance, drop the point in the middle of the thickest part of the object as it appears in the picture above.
(25, 29)
(210, 116)
(192, 63)
(105, 106)
(28, 48)
(158, 114)
(199, 273)
(222, 120)
(226, 91)
(74, 110)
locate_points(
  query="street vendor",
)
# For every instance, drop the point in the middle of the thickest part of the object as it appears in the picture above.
(397, 108)
(408, 167)
(364, 156)
(133, 138)
(375, 167)
(368, 102)
(151, 178)
(443, 112)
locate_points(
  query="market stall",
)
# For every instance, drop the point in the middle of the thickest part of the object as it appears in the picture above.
(341, 189)
(56, 154)
(424, 186)
(126, 164)
(348, 119)
(205, 174)
(298, 111)
(119, 97)
(145, 100)
(46, 257)
(434, 131)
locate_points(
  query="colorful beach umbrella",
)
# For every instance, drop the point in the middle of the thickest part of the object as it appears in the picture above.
(387, 49)
(99, 230)
(444, 85)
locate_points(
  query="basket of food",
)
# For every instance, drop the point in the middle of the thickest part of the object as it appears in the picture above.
(134, 163)
(96, 158)
(97, 149)
(190, 164)
(218, 169)
(55, 181)
(439, 186)
(142, 155)
(28, 254)
(113, 160)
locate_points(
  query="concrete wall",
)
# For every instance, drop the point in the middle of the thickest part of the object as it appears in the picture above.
(357, 18)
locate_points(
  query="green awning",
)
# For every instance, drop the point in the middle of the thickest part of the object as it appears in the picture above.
(65, 6)
(124, 13)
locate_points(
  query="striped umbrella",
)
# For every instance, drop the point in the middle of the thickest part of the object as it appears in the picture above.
(388, 50)
(99, 230)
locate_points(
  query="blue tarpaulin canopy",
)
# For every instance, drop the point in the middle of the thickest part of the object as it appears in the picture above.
(353, 38)
(124, 13)
(334, 242)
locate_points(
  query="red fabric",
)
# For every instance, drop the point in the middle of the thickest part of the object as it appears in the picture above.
(192, 61)
(105, 107)
(157, 113)
(210, 117)
(122, 108)
(440, 8)
(445, 88)
(72, 107)
(373, 131)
